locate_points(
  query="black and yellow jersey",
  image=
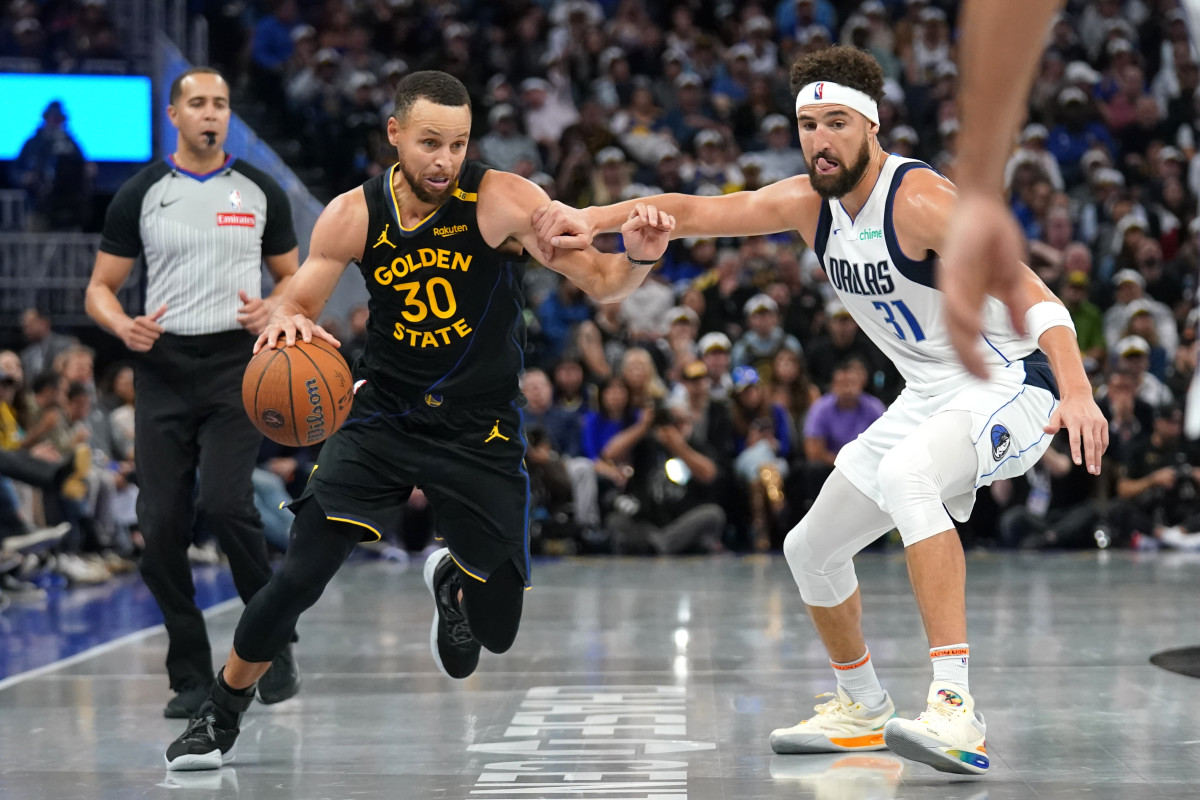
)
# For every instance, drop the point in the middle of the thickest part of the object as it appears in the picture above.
(446, 310)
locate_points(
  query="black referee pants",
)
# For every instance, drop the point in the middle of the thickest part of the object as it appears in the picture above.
(195, 450)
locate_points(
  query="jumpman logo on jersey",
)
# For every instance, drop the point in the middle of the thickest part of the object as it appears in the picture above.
(383, 239)
(495, 434)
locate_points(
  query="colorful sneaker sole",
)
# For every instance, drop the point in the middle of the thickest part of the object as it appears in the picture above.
(915, 747)
(784, 744)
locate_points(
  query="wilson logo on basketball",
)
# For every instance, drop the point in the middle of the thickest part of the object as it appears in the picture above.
(240, 220)
(316, 417)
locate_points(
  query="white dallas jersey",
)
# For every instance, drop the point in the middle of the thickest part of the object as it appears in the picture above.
(892, 297)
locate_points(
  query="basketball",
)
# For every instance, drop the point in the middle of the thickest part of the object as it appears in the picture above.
(298, 395)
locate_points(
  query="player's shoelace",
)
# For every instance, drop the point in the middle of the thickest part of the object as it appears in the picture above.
(833, 711)
(201, 729)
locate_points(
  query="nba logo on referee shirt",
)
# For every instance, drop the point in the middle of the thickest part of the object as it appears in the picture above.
(819, 91)
(1001, 439)
(235, 200)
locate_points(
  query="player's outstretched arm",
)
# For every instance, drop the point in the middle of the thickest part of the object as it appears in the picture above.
(1000, 49)
(783, 206)
(925, 203)
(507, 203)
(337, 239)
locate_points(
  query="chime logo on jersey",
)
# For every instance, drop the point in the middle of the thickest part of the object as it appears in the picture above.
(1001, 440)
(235, 200)
(819, 91)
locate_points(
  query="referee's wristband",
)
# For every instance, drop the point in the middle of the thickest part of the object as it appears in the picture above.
(638, 263)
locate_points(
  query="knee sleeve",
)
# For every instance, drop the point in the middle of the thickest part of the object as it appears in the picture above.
(494, 608)
(825, 577)
(936, 461)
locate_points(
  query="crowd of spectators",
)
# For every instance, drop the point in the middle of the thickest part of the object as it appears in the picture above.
(705, 411)
(61, 36)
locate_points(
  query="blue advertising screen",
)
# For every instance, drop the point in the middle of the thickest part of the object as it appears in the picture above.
(108, 115)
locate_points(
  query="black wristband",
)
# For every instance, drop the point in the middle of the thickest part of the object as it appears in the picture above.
(637, 263)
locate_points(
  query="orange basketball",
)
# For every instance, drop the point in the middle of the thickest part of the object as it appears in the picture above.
(298, 395)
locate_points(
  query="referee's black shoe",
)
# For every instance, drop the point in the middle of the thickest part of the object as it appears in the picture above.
(281, 681)
(211, 734)
(455, 650)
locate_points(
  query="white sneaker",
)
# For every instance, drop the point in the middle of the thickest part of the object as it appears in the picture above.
(948, 736)
(841, 725)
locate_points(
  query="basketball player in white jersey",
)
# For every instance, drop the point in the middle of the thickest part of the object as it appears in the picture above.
(876, 221)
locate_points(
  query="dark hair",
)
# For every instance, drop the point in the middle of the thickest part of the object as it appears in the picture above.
(848, 66)
(177, 84)
(852, 363)
(75, 389)
(44, 381)
(433, 85)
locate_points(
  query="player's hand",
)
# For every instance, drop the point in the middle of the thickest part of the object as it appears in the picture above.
(560, 225)
(291, 327)
(255, 312)
(1086, 427)
(982, 255)
(143, 331)
(647, 232)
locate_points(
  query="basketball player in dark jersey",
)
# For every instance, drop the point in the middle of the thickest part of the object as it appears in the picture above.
(439, 242)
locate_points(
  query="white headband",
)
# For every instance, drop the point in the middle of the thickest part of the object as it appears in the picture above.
(827, 92)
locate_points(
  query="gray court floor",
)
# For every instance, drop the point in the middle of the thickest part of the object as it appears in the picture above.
(654, 679)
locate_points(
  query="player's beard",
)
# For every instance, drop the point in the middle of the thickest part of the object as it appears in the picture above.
(840, 183)
(421, 191)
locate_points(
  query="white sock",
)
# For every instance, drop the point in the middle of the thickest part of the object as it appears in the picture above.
(858, 679)
(950, 664)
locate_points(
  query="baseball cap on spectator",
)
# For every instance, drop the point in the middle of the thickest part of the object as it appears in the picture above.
(695, 371)
(1170, 153)
(741, 50)
(758, 24)
(750, 161)
(1081, 72)
(893, 92)
(686, 79)
(360, 80)
(744, 377)
(1130, 222)
(1078, 278)
(501, 111)
(674, 54)
(835, 308)
(456, 30)
(668, 151)
(608, 55)
(1129, 276)
(947, 127)
(610, 155)
(709, 136)
(27, 25)
(1118, 46)
(535, 85)
(772, 122)
(1138, 307)
(327, 55)
(1071, 94)
(1034, 131)
(814, 31)
(1133, 346)
(302, 32)
(395, 66)
(905, 133)
(933, 14)
(758, 303)
(682, 314)
(714, 341)
(1094, 157)
(872, 8)
(1107, 176)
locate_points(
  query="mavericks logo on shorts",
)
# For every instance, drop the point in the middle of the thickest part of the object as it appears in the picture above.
(1001, 440)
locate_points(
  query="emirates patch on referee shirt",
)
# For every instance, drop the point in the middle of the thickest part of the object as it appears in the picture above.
(241, 220)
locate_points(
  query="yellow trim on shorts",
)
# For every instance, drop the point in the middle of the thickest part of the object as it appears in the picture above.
(378, 536)
(464, 569)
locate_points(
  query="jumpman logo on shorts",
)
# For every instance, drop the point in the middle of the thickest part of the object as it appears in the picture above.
(383, 238)
(495, 434)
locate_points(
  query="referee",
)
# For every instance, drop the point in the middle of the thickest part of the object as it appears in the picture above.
(204, 221)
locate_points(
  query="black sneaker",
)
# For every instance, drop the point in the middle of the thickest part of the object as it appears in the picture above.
(208, 741)
(281, 681)
(455, 650)
(185, 704)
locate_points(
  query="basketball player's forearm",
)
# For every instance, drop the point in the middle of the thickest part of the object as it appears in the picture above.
(1062, 349)
(614, 277)
(607, 219)
(1001, 46)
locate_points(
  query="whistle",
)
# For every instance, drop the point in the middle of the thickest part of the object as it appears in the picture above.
(211, 137)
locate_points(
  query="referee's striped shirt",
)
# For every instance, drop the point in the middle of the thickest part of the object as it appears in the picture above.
(203, 237)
